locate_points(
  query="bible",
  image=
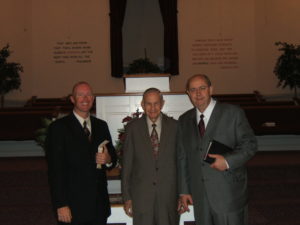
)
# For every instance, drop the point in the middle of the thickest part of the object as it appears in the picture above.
(215, 147)
(100, 150)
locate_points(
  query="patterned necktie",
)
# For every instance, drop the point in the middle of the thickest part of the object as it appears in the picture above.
(201, 125)
(154, 141)
(86, 130)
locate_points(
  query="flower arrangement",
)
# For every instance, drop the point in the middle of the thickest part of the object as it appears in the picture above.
(121, 136)
(41, 133)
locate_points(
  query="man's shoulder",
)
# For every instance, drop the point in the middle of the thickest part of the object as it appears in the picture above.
(187, 114)
(98, 121)
(170, 119)
(228, 107)
(135, 122)
(61, 120)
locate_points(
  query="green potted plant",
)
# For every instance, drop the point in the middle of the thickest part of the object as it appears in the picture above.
(143, 65)
(41, 133)
(9, 74)
(287, 68)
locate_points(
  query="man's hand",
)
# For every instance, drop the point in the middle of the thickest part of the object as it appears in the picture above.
(128, 208)
(64, 214)
(184, 202)
(220, 162)
(104, 157)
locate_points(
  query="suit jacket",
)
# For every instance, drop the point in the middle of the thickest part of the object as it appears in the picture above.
(227, 190)
(145, 182)
(73, 177)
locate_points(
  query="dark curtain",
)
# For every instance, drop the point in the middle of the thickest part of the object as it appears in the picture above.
(117, 13)
(169, 15)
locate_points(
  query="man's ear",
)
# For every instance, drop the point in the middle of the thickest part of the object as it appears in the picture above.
(142, 104)
(72, 99)
(211, 90)
(187, 92)
(162, 103)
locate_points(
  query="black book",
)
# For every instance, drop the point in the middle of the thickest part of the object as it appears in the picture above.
(215, 147)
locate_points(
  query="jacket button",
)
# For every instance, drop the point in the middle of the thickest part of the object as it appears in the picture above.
(154, 183)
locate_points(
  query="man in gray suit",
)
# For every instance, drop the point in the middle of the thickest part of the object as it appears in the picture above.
(149, 178)
(218, 190)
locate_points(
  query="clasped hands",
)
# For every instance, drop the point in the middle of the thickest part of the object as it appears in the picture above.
(104, 157)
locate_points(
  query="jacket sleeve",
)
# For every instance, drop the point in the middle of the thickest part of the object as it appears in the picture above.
(127, 165)
(246, 143)
(183, 177)
(55, 153)
(111, 149)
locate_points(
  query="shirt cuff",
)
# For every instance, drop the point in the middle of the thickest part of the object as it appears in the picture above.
(108, 164)
(227, 164)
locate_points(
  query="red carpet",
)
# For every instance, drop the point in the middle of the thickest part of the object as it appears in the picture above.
(274, 190)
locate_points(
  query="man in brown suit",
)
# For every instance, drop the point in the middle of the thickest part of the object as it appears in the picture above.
(149, 183)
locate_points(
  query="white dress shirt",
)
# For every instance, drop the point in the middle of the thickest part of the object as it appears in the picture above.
(207, 113)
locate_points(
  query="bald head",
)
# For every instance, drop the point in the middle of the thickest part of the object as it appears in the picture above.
(204, 77)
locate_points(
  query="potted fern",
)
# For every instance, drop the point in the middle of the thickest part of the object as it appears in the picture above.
(9, 74)
(287, 68)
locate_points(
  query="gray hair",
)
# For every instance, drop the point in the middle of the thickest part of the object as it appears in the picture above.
(155, 90)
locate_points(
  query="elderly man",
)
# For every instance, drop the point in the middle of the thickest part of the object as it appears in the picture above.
(217, 187)
(149, 183)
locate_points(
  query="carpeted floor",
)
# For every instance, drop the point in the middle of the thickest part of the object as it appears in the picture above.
(274, 190)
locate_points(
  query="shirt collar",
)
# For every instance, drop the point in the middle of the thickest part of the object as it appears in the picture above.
(81, 120)
(208, 111)
(157, 122)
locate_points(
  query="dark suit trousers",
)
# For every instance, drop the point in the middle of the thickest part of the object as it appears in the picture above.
(104, 222)
(210, 217)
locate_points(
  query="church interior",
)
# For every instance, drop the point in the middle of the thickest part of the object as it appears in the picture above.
(123, 47)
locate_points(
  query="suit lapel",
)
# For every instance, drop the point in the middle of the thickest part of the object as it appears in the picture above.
(144, 131)
(95, 130)
(213, 121)
(209, 129)
(195, 130)
(164, 135)
(77, 130)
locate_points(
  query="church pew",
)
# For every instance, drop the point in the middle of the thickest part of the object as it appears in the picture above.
(35, 99)
(22, 125)
(255, 96)
(266, 103)
(272, 120)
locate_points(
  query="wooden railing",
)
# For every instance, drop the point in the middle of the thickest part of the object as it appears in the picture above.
(265, 117)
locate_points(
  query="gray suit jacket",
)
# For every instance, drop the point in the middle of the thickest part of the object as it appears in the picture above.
(146, 183)
(227, 190)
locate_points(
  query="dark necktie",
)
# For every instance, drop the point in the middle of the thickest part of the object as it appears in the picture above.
(201, 125)
(154, 141)
(86, 130)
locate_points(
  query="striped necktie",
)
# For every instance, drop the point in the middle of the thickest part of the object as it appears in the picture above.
(154, 141)
(201, 125)
(86, 130)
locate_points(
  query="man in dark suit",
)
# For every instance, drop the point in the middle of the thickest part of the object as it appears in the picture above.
(78, 189)
(218, 191)
(149, 178)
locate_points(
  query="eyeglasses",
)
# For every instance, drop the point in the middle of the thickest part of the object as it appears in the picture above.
(201, 88)
(84, 95)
